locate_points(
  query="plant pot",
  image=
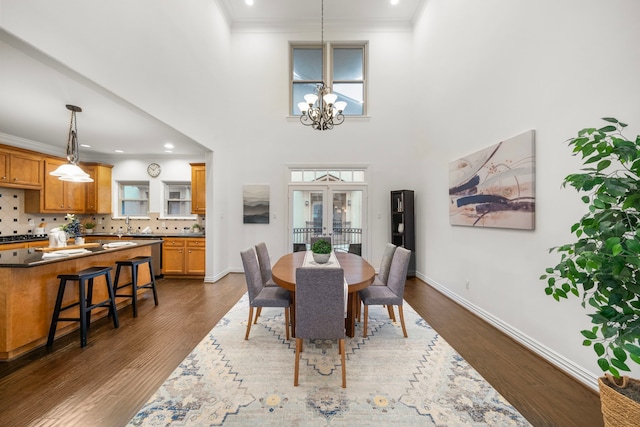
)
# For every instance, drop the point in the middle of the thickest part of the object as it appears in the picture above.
(321, 258)
(619, 410)
(88, 230)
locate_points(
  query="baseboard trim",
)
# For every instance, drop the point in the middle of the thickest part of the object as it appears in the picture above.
(580, 374)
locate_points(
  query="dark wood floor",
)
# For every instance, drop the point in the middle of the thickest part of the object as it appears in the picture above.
(107, 382)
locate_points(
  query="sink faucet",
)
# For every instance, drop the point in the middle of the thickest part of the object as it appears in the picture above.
(126, 221)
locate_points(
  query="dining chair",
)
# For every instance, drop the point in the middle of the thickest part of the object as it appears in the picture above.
(383, 275)
(355, 248)
(320, 310)
(393, 292)
(265, 264)
(260, 295)
(299, 247)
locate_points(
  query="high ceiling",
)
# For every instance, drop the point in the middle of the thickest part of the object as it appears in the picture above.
(34, 87)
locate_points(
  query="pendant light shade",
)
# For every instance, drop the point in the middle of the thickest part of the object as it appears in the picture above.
(71, 171)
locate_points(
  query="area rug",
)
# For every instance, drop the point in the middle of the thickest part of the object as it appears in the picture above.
(391, 380)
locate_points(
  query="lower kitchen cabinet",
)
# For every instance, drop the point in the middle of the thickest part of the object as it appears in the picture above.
(183, 256)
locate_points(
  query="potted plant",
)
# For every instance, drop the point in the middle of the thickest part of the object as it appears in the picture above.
(89, 226)
(321, 251)
(602, 265)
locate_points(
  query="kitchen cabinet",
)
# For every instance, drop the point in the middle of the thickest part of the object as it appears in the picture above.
(56, 196)
(20, 169)
(98, 192)
(198, 188)
(183, 256)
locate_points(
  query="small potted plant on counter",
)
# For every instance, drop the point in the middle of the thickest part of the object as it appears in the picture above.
(88, 227)
(321, 251)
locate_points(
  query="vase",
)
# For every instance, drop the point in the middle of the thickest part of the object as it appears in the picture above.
(79, 240)
(321, 258)
(88, 230)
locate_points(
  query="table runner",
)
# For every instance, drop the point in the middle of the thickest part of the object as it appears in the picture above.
(332, 263)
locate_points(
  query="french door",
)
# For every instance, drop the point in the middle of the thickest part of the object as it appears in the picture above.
(335, 210)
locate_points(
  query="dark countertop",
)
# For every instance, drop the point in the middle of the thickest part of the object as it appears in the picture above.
(23, 258)
(147, 235)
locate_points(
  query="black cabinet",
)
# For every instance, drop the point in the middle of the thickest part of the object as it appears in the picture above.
(403, 231)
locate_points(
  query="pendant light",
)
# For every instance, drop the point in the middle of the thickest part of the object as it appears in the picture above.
(71, 171)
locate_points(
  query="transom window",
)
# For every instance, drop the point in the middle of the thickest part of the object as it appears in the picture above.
(325, 175)
(133, 198)
(340, 65)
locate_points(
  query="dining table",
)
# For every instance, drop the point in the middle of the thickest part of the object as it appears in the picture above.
(358, 274)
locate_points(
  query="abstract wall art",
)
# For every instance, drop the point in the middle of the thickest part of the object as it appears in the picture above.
(495, 187)
(255, 204)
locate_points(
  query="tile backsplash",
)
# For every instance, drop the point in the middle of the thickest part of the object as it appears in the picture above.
(14, 220)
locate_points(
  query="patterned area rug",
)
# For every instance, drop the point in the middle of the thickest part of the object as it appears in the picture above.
(391, 380)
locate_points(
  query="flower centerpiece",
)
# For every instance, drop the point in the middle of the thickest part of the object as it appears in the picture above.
(72, 227)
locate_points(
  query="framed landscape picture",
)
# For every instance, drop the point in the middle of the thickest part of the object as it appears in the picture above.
(255, 204)
(495, 187)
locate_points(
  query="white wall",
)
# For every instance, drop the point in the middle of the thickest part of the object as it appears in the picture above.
(491, 70)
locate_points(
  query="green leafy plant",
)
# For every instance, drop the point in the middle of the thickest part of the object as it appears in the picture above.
(89, 225)
(603, 265)
(321, 247)
(72, 227)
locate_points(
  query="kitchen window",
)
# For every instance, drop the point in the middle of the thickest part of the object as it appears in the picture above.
(133, 198)
(177, 199)
(342, 66)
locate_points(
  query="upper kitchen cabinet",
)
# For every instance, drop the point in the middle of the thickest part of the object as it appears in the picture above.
(56, 195)
(198, 188)
(98, 192)
(20, 169)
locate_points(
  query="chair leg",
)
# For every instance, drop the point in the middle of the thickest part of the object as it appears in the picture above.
(392, 316)
(344, 366)
(286, 322)
(404, 330)
(246, 336)
(297, 365)
(366, 317)
(258, 311)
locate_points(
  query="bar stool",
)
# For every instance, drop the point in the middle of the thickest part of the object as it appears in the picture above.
(134, 263)
(85, 301)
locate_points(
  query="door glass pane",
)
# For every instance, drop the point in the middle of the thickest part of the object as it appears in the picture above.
(347, 221)
(307, 215)
(348, 64)
(353, 95)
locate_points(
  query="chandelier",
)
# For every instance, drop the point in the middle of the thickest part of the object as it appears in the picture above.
(320, 109)
(71, 171)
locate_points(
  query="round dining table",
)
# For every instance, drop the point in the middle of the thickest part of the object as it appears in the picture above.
(358, 273)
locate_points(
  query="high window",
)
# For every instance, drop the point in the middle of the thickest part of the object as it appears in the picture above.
(342, 67)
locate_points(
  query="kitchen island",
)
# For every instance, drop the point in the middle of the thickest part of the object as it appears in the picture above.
(29, 284)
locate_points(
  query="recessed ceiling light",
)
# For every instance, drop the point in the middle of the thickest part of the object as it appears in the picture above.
(249, 2)
(118, 151)
(168, 145)
(85, 145)
(395, 2)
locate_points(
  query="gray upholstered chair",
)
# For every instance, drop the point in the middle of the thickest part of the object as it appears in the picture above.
(299, 247)
(383, 274)
(391, 294)
(320, 310)
(259, 295)
(385, 264)
(265, 264)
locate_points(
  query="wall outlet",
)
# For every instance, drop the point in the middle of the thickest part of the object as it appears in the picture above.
(467, 284)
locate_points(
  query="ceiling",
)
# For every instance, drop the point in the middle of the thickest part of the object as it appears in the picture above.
(36, 87)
